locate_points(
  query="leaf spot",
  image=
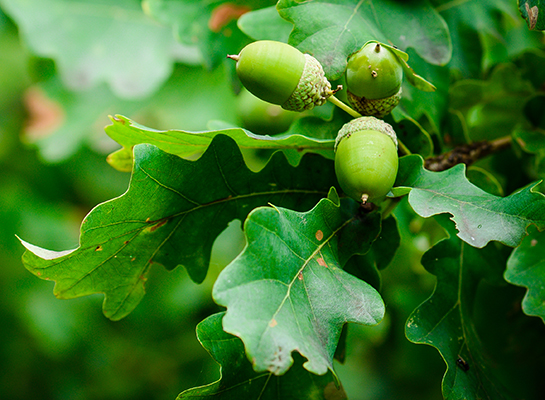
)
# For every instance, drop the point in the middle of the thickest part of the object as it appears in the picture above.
(300, 276)
(158, 225)
(319, 235)
(98, 248)
(273, 323)
(532, 15)
(322, 262)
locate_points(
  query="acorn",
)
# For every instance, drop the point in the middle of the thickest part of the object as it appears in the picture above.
(262, 117)
(280, 74)
(366, 160)
(374, 76)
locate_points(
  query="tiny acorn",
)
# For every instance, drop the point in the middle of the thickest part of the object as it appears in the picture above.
(280, 74)
(366, 160)
(374, 76)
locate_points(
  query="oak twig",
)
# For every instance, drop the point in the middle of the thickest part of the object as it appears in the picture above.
(466, 154)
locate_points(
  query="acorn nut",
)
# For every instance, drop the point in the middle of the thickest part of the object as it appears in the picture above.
(373, 80)
(366, 160)
(280, 74)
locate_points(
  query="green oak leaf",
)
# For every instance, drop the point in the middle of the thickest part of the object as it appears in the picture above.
(526, 267)
(287, 290)
(239, 381)
(533, 11)
(93, 41)
(480, 217)
(265, 24)
(171, 214)
(331, 30)
(184, 144)
(470, 24)
(448, 319)
(409, 132)
(209, 25)
(85, 113)
(416, 102)
(492, 108)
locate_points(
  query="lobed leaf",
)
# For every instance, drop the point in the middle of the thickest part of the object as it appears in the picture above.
(471, 24)
(287, 291)
(239, 381)
(93, 41)
(526, 267)
(265, 24)
(447, 320)
(492, 108)
(209, 25)
(183, 144)
(331, 30)
(480, 217)
(170, 215)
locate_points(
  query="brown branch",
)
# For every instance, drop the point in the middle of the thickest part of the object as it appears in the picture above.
(466, 154)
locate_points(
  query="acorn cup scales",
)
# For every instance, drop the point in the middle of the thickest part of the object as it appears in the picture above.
(280, 74)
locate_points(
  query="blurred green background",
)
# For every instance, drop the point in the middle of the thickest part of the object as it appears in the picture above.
(53, 172)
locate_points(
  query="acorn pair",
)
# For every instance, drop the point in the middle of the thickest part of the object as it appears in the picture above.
(280, 74)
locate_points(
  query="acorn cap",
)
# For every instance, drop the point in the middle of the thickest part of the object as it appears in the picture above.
(374, 107)
(280, 74)
(365, 124)
(313, 88)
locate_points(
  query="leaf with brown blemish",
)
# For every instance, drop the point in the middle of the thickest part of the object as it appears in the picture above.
(285, 278)
(171, 214)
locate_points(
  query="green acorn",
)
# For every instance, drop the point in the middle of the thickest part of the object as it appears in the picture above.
(280, 74)
(366, 160)
(373, 80)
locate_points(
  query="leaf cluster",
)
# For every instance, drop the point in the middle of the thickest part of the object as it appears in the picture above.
(314, 261)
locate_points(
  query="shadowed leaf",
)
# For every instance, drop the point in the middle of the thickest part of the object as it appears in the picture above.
(239, 380)
(526, 267)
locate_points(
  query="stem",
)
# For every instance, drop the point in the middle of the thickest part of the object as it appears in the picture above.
(389, 205)
(404, 149)
(467, 153)
(344, 107)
